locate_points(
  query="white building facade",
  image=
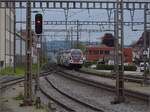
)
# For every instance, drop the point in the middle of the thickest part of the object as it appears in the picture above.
(7, 22)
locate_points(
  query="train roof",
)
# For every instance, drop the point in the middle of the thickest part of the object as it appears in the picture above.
(69, 50)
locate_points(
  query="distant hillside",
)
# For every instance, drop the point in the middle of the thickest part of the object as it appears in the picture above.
(58, 44)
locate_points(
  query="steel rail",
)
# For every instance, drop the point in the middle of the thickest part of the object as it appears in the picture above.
(56, 101)
(130, 78)
(14, 81)
(76, 100)
(130, 93)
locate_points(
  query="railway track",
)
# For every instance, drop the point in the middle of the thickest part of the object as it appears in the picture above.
(68, 107)
(128, 78)
(130, 93)
(66, 101)
(11, 82)
(8, 81)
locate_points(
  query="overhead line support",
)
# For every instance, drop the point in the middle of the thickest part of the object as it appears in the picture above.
(146, 54)
(28, 72)
(119, 68)
(127, 23)
(73, 4)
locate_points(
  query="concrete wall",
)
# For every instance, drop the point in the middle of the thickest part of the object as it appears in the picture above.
(20, 51)
(2, 37)
(6, 37)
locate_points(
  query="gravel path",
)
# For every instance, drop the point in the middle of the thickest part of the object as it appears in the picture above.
(96, 96)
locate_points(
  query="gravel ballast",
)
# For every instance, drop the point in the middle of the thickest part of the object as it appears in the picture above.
(96, 96)
(61, 98)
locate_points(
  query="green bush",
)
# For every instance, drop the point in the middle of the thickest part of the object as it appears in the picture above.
(88, 63)
(130, 68)
(104, 67)
(111, 67)
(19, 97)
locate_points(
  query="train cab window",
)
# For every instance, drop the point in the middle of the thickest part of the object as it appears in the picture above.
(101, 52)
(107, 52)
(76, 52)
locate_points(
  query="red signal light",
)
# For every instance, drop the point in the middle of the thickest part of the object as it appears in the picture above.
(38, 23)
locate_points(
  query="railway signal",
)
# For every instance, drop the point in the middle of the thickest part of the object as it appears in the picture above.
(38, 30)
(38, 23)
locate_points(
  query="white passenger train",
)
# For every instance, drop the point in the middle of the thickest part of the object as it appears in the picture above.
(72, 58)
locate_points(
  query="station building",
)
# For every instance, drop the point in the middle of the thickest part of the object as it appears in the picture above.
(104, 52)
(7, 23)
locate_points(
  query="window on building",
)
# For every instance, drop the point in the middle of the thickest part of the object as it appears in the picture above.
(90, 52)
(1, 63)
(112, 52)
(101, 52)
(96, 52)
(7, 22)
(107, 52)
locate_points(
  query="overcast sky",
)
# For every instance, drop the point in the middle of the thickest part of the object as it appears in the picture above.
(87, 15)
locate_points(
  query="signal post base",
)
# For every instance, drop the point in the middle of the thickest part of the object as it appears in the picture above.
(27, 103)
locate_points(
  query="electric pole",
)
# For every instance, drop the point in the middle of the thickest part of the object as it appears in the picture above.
(66, 19)
(38, 61)
(28, 75)
(116, 66)
(119, 53)
(89, 37)
(14, 38)
(77, 34)
(71, 35)
(145, 52)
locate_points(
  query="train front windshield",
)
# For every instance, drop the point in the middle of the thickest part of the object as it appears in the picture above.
(76, 54)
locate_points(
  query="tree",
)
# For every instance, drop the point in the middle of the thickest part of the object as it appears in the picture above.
(108, 40)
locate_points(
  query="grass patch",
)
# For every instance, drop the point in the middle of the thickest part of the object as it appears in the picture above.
(34, 68)
(94, 72)
(10, 71)
(19, 97)
(20, 70)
